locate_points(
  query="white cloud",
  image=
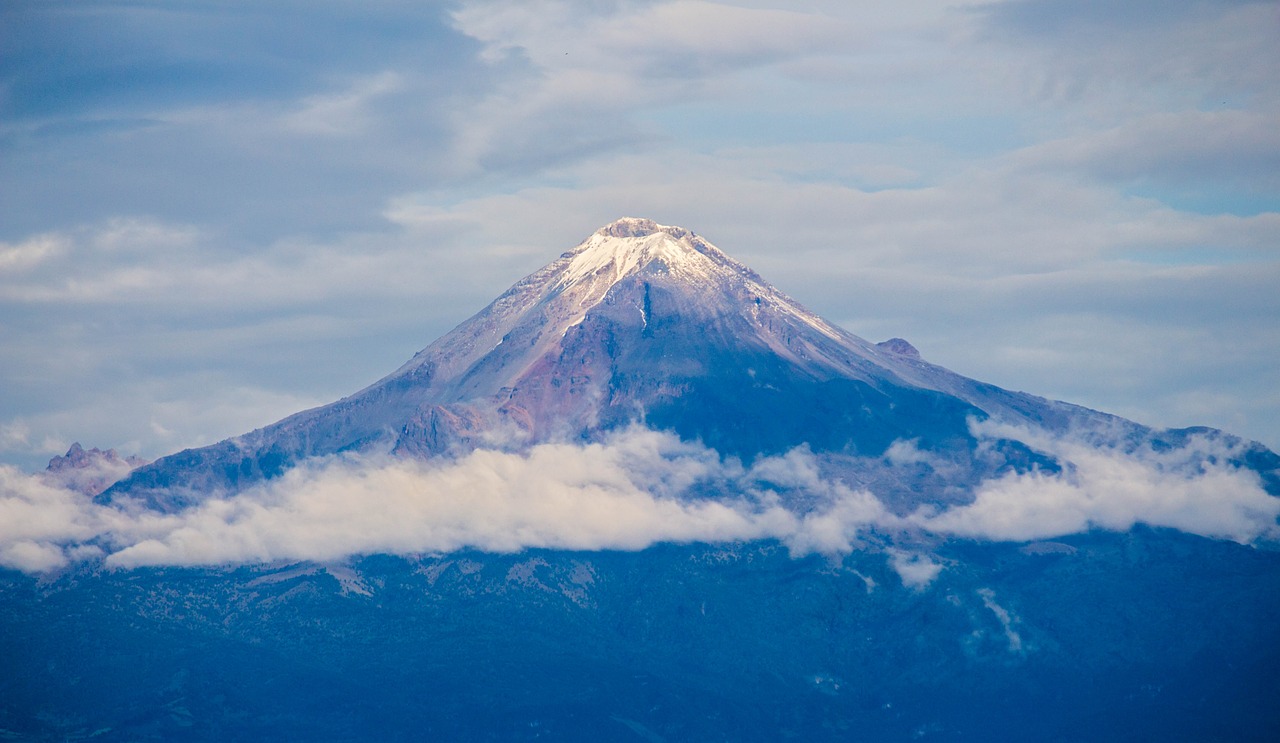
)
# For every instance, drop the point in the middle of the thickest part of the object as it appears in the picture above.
(31, 557)
(834, 527)
(148, 238)
(343, 113)
(1192, 489)
(683, 38)
(30, 252)
(632, 491)
(916, 570)
(125, 263)
(38, 519)
(627, 494)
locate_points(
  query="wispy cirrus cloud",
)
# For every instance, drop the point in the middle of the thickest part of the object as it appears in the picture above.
(583, 76)
(1116, 58)
(1230, 147)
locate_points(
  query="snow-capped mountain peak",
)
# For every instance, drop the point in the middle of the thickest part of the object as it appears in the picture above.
(630, 245)
(649, 324)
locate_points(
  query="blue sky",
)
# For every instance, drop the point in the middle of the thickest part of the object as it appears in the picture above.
(213, 214)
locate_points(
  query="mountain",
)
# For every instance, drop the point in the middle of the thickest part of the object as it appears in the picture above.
(1029, 570)
(89, 471)
(650, 324)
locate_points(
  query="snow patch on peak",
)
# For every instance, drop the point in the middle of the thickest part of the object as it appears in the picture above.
(638, 227)
(630, 244)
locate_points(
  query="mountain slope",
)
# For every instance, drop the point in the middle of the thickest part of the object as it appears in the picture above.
(650, 324)
(1103, 637)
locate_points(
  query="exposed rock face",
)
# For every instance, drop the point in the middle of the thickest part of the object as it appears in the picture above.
(89, 471)
(900, 347)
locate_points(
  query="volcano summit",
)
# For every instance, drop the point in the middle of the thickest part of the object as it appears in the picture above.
(651, 325)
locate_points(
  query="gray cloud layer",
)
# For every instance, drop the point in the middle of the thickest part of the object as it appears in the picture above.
(635, 490)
